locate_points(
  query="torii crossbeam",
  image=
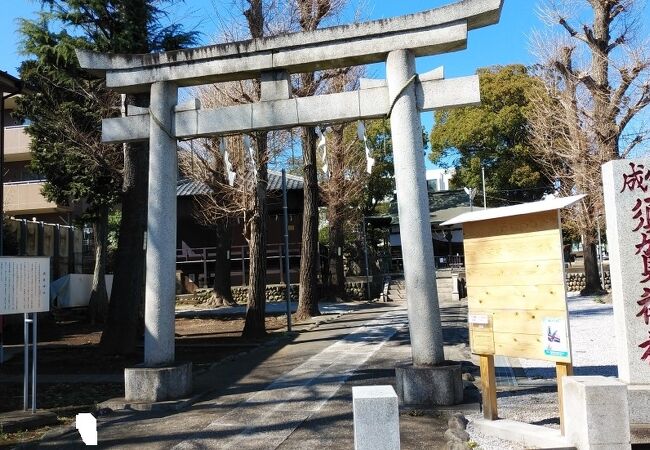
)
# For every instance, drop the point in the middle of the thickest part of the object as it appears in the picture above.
(402, 97)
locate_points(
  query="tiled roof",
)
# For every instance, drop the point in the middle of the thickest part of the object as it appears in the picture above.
(294, 182)
(9, 84)
(443, 205)
(189, 188)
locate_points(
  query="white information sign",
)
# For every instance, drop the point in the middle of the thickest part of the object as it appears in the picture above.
(24, 284)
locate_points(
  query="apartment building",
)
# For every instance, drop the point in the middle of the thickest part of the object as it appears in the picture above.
(22, 196)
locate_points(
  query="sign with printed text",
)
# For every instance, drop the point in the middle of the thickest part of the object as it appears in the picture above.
(24, 285)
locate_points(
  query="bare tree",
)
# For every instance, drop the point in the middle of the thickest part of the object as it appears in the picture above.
(596, 83)
(343, 189)
(310, 15)
(246, 196)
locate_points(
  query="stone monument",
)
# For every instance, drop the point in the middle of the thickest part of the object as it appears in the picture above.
(626, 187)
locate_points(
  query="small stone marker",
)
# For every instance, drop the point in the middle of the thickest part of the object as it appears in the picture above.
(596, 413)
(376, 418)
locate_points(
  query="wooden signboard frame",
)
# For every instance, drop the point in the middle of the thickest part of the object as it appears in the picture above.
(516, 289)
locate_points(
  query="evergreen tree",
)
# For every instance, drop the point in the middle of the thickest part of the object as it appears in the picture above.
(118, 26)
(493, 135)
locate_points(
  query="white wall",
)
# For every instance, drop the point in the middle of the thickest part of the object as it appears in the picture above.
(442, 176)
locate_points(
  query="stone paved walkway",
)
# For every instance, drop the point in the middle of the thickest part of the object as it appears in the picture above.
(296, 395)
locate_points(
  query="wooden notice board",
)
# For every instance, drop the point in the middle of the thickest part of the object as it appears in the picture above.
(516, 288)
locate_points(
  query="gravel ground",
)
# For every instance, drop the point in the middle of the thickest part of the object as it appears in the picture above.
(533, 398)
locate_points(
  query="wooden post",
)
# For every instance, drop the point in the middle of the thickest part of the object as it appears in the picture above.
(562, 370)
(280, 262)
(243, 266)
(205, 267)
(488, 387)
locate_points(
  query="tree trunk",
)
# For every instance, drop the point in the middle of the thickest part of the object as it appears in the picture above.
(592, 273)
(255, 325)
(98, 303)
(222, 283)
(125, 310)
(308, 300)
(336, 269)
(336, 213)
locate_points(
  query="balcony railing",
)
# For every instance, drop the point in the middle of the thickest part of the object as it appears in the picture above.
(26, 198)
(16, 144)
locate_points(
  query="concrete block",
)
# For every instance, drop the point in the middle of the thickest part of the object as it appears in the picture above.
(224, 120)
(376, 418)
(125, 129)
(13, 421)
(429, 386)
(596, 412)
(186, 123)
(328, 108)
(189, 105)
(369, 83)
(133, 110)
(450, 93)
(373, 102)
(157, 384)
(275, 85)
(525, 434)
(436, 74)
(275, 114)
(638, 401)
(455, 295)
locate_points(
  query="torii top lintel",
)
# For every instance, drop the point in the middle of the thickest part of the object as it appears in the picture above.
(435, 31)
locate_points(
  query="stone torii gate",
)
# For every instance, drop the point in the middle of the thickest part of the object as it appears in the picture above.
(397, 41)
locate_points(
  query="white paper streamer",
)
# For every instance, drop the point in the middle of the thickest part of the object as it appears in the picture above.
(321, 146)
(361, 132)
(251, 154)
(226, 159)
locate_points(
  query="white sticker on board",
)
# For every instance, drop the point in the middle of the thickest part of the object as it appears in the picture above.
(478, 319)
(555, 337)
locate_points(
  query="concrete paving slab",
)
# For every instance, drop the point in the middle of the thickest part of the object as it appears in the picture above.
(25, 420)
(254, 400)
(525, 434)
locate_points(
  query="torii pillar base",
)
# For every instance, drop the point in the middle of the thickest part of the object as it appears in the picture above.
(158, 384)
(440, 385)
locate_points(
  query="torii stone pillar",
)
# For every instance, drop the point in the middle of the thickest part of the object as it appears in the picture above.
(427, 381)
(160, 378)
(413, 208)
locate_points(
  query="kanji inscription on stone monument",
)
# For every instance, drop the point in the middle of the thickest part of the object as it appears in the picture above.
(627, 207)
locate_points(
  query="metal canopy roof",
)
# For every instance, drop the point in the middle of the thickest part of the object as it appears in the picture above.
(517, 210)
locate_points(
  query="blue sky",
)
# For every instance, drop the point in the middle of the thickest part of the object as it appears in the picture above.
(505, 43)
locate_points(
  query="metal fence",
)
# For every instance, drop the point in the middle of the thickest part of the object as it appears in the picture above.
(62, 243)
